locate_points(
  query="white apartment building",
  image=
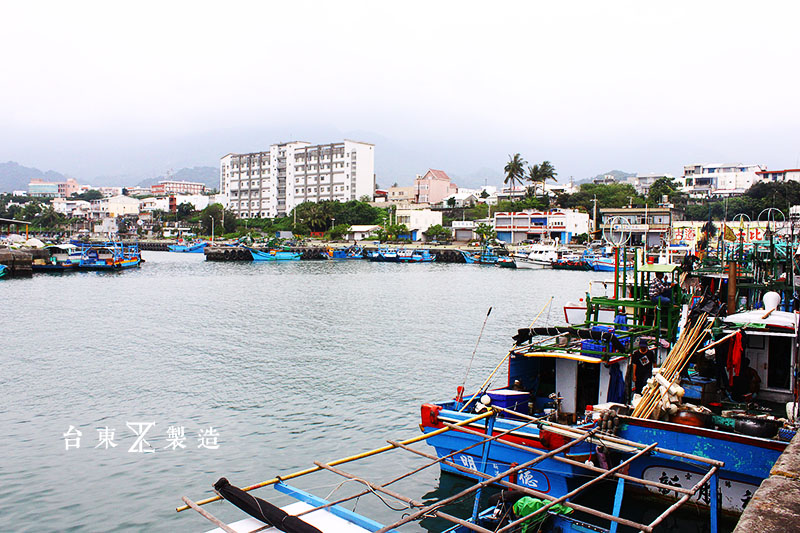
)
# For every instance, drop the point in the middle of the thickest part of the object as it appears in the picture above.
(418, 221)
(273, 182)
(719, 180)
(643, 182)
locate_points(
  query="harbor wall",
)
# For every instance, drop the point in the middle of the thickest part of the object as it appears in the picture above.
(776, 504)
(313, 253)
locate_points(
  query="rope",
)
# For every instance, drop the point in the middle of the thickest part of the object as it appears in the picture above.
(464, 384)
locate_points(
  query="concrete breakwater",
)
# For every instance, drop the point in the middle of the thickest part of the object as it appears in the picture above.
(313, 253)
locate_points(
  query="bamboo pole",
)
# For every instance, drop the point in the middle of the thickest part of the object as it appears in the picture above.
(583, 487)
(208, 516)
(683, 499)
(488, 481)
(370, 453)
(572, 462)
(410, 502)
(493, 437)
(543, 495)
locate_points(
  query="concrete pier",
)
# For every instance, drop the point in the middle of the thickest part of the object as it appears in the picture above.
(314, 253)
(775, 506)
(18, 262)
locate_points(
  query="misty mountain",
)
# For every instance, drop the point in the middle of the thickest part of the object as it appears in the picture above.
(14, 176)
(206, 175)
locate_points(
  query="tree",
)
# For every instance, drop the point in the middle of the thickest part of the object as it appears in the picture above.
(185, 210)
(484, 194)
(485, 232)
(515, 170)
(92, 194)
(213, 212)
(451, 202)
(540, 173)
(49, 219)
(437, 233)
(338, 232)
(662, 187)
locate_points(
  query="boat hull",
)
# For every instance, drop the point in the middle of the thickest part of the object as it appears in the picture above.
(748, 460)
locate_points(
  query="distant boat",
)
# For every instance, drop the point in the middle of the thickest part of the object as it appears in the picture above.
(506, 261)
(63, 258)
(109, 256)
(191, 248)
(274, 255)
(605, 264)
(486, 256)
(351, 252)
(383, 255)
(415, 256)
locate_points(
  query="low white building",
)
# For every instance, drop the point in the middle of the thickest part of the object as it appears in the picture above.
(460, 199)
(418, 221)
(643, 182)
(789, 174)
(114, 206)
(719, 180)
(557, 224)
(71, 208)
(464, 230)
(360, 232)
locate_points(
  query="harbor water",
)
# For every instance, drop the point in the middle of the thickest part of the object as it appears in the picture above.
(266, 367)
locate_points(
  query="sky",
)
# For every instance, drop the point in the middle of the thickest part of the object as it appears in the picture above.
(133, 89)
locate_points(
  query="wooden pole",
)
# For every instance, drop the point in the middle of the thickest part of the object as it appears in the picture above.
(347, 459)
(208, 516)
(488, 481)
(544, 496)
(404, 499)
(731, 287)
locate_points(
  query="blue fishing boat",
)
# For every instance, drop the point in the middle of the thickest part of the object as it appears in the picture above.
(351, 252)
(274, 255)
(191, 248)
(567, 379)
(486, 256)
(383, 254)
(62, 258)
(4, 271)
(415, 256)
(109, 256)
(513, 506)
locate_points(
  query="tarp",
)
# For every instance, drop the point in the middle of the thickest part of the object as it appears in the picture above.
(33, 242)
(262, 509)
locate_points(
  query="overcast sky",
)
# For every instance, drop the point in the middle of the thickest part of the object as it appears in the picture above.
(108, 88)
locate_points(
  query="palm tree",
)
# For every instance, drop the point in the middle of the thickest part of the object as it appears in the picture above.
(540, 174)
(515, 170)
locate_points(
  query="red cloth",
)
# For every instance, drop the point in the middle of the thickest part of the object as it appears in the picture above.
(734, 364)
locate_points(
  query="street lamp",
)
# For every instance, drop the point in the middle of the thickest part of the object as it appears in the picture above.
(333, 222)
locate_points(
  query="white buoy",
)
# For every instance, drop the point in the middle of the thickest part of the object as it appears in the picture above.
(486, 399)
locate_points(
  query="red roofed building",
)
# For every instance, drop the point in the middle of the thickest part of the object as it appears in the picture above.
(789, 174)
(433, 187)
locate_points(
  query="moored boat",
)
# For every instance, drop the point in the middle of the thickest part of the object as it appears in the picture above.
(62, 258)
(109, 256)
(273, 255)
(4, 270)
(192, 247)
(351, 252)
(574, 378)
(485, 256)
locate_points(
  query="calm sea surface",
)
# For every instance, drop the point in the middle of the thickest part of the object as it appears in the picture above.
(288, 363)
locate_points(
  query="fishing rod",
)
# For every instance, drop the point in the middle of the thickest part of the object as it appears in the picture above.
(488, 379)
(461, 388)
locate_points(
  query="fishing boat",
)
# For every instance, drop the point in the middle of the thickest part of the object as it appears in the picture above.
(191, 247)
(574, 377)
(62, 258)
(417, 255)
(4, 271)
(383, 254)
(506, 261)
(351, 252)
(108, 256)
(486, 256)
(512, 503)
(274, 255)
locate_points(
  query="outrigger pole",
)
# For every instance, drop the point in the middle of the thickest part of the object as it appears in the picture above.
(344, 460)
(488, 379)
